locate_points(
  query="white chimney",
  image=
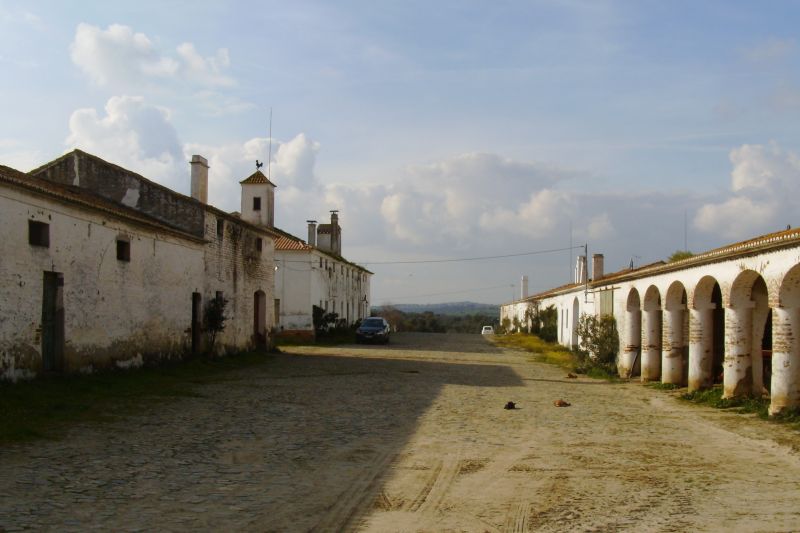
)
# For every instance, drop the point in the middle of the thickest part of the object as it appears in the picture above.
(336, 233)
(524, 285)
(199, 178)
(580, 269)
(312, 232)
(597, 266)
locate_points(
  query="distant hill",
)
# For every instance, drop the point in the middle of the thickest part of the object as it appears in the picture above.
(451, 309)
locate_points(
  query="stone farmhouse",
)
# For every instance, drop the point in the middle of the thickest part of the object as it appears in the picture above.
(314, 273)
(101, 267)
(729, 315)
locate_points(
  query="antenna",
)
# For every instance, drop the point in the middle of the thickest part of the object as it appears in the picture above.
(269, 159)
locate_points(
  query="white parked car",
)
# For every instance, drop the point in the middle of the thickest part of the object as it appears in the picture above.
(487, 330)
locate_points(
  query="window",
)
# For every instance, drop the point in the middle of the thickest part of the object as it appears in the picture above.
(123, 250)
(259, 244)
(220, 228)
(320, 262)
(257, 203)
(219, 296)
(38, 234)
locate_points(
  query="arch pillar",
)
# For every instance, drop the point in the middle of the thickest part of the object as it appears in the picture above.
(633, 339)
(701, 346)
(651, 344)
(738, 363)
(672, 346)
(785, 382)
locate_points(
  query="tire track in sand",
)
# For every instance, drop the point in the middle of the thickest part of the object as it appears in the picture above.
(344, 514)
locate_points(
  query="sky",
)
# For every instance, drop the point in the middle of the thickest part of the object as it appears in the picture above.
(439, 130)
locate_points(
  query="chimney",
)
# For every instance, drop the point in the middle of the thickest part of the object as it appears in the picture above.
(580, 269)
(524, 286)
(336, 236)
(312, 232)
(597, 266)
(199, 178)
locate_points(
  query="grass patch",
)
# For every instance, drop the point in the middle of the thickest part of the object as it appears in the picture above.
(46, 407)
(544, 352)
(662, 386)
(713, 398)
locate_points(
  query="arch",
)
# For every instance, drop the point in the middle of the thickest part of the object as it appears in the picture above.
(748, 336)
(630, 362)
(785, 382)
(651, 334)
(706, 334)
(260, 319)
(675, 325)
(575, 314)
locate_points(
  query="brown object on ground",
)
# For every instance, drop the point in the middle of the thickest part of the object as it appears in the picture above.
(510, 405)
(572, 376)
(561, 403)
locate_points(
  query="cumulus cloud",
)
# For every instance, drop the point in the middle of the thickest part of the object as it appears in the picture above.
(765, 180)
(119, 57)
(133, 134)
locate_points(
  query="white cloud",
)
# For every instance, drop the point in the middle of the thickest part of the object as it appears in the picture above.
(535, 218)
(770, 50)
(765, 181)
(133, 134)
(120, 57)
(600, 227)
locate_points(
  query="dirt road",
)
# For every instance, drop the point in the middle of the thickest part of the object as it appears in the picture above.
(410, 437)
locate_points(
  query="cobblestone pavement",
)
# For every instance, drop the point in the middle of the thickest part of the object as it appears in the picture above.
(409, 437)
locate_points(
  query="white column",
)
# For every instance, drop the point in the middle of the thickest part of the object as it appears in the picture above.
(785, 382)
(701, 347)
(672, 347)
(738, 365)
(651, 345)
(633, 339)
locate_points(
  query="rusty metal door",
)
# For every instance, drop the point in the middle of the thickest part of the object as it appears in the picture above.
(52, 322)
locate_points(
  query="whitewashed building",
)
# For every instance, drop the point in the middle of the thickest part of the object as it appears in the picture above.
(730, 316)
(100, 266)
(314, 273)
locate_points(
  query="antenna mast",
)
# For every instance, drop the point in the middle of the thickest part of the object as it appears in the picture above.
(269, 159)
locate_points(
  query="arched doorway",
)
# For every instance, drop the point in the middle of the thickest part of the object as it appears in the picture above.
(651, 335)
(745, 327)
(630, 362)
(785, 383)
(260, 319)
(673, 326)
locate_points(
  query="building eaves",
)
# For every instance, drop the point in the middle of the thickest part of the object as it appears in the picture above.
(75, 196)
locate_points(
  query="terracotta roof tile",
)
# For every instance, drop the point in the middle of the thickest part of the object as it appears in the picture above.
(257, 177)
(291, 243)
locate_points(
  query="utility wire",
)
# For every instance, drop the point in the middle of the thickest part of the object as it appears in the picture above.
(462, 259)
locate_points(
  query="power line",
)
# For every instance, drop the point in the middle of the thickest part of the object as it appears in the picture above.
(462, 259)
(447, 293)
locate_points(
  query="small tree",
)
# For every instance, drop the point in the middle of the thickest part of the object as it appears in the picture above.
(599, 340)
(214, 320)
(505, 325)
(679, 255)
(532, 318)
(517, 324)
(317, 317)
(548, 319)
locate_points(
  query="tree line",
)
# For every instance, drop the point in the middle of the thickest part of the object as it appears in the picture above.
(429, 322)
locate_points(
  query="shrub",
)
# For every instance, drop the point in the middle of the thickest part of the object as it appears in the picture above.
(548, 324)
(214, 320)
(599, 341)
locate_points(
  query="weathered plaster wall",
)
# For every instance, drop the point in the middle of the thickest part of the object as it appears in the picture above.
(115, 311)
(233, 265)
(123, 186)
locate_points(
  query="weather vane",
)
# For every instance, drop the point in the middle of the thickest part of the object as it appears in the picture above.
(259, 164)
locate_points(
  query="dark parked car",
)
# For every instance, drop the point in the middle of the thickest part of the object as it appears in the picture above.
(373, 328)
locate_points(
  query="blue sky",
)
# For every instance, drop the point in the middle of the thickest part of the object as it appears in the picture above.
(439, 129)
